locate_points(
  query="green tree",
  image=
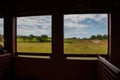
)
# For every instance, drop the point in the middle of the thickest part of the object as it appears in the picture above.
(93, 37)
(38, 38)
(44, 38)
(99, 37)
(24, 38)
(105, 36)
(31, 37)
(1, 38)
(73, 38)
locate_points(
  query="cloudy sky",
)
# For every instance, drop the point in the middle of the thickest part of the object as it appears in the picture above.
(36, 25)
(1, 26)
(85, 25)
(77, 25)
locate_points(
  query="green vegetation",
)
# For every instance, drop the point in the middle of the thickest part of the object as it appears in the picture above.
(96, 44)
(100, 37)
(33, 39)
(76, 47)
(34, 47)
(1, 40)
(86, 47)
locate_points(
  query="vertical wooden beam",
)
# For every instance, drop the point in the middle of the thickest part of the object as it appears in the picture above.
(10, 34)
(115, 38)
(57, 36)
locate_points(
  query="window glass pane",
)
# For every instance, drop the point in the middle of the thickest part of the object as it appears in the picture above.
(34, 34)
(1, 32)
(86, 34)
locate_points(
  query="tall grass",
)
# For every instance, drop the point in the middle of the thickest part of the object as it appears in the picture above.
(74, 47)
(86, 47)
(34, 47)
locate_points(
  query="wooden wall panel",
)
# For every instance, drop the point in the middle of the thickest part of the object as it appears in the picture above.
(5, 66)
(46, 69)
(107, 71)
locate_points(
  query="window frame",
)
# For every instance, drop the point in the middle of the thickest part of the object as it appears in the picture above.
(3, 30)
(58, 52)
(108, 55)
(33, 53)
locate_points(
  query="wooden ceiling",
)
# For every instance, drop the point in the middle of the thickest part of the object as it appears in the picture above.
(25, 7)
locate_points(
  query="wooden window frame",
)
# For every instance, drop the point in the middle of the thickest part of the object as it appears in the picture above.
(57, 35)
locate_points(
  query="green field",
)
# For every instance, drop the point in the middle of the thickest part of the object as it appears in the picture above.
(70, 47)
(86, 47)
(34, 47)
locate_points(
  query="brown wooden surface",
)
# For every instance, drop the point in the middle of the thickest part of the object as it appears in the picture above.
(107, 71)
(58, 69)
(5, 66)
(47, 69)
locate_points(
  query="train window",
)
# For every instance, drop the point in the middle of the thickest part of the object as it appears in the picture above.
(86, 34)
(34, 34)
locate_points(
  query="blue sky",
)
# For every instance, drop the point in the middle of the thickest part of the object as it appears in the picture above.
(85, 25)
(36, 25)
(75, 25)
(1, 26)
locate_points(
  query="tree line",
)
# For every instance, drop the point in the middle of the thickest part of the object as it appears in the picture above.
(93, 37)
(45, 38)
(100, 37)
(32, 38)
(1, 38)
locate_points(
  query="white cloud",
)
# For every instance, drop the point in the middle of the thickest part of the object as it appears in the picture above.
(34, 31)
(36, 25)
(76, 33)
(44, 21)
(75, 25)
(81, 25)
(80, 17)
(1, 25)
(39, 25)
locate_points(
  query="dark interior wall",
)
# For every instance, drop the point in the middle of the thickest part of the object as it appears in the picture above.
(115, 39)
(68, 69)
(5, 66)
(45, 69)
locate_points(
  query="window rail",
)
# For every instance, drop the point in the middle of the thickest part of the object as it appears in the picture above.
(34, 54)
(65, 55)
(85, 55)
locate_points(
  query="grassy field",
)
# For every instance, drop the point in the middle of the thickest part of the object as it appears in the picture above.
(34, 47)
(74, 47)
(86, 47)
